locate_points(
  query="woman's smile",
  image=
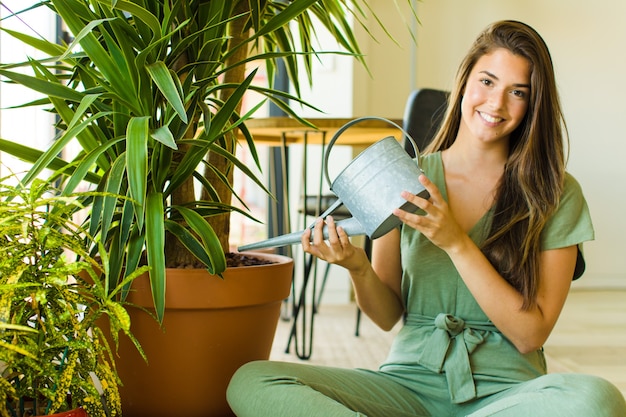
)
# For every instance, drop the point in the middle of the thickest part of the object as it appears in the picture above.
(490, 119)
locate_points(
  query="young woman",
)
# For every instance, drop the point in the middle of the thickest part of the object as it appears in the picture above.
(480, 274)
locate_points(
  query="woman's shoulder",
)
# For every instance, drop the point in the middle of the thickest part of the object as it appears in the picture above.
(571, 183)
(572, 191)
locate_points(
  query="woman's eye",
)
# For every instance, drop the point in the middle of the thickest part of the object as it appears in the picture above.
(519, 93)
(486, 81)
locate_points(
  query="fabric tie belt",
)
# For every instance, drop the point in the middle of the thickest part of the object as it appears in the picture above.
(448, 348)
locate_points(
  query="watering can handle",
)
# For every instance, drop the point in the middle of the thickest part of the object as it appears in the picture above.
(352, 123)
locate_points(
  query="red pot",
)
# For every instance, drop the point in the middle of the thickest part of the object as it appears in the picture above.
(77, 412)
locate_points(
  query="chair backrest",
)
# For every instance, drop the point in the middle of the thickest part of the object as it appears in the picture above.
(423, 115)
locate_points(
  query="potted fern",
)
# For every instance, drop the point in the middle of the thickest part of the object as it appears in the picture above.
(53, 358)
(151, 91)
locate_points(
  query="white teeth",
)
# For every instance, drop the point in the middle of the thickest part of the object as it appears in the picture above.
(491, 119)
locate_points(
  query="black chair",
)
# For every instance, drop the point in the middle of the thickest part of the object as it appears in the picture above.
(423, 115)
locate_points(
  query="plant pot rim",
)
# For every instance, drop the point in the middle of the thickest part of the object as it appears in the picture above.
(238, 287)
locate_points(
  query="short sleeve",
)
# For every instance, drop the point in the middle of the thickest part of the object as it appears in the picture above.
(571, 223)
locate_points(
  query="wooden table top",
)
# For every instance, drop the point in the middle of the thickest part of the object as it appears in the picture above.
(270, 131)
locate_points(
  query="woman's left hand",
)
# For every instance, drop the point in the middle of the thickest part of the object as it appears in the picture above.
(338, 250)
(437, 222)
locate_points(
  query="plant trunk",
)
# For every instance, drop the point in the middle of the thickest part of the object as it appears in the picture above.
(238, 33)
(176, 254)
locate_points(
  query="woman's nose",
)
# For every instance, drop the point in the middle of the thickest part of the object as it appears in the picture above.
(497, 99)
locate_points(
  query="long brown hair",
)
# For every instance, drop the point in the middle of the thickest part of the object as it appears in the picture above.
(532, 183)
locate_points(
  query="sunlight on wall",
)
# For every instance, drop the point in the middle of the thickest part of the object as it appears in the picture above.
(30, 126)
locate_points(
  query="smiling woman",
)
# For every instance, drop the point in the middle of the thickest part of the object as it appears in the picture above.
(480, 289)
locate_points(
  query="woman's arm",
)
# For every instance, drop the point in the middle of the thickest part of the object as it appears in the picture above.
(526, 329)
(387, 269)
(501, 302)
(376, 285)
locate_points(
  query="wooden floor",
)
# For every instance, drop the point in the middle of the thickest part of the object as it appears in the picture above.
(590, 338)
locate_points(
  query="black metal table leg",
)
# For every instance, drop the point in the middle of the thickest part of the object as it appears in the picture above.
(302, 316)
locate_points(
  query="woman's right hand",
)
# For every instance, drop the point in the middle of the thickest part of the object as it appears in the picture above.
(338, 250)
(378, 296)
(436, 222)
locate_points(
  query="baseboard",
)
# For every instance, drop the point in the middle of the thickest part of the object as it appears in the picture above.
(600, 282)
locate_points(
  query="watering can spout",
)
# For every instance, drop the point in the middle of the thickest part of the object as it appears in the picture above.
(351, 226)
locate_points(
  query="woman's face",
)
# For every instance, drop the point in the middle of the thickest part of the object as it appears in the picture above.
(496, 96)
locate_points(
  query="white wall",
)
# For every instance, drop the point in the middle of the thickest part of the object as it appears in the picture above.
(31, 126)
(330, 92)
(587, 44)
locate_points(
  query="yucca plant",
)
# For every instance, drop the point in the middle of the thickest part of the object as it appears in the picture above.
(53, 356)
(151, 90)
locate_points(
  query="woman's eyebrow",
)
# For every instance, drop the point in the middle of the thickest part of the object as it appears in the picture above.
(518, 85)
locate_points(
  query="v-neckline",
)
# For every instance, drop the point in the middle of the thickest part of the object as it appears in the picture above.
(443, 189)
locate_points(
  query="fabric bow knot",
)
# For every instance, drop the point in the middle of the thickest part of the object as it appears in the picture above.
(448, 349)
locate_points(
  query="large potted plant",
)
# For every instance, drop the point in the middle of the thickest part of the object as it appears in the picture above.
(151, 91)
(53, 358)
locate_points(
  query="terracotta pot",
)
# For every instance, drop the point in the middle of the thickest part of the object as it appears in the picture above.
(211, 327)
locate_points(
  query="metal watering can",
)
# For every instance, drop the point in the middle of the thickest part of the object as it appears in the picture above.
(369, 187)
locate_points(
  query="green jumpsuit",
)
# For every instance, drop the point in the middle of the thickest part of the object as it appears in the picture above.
(448, 359)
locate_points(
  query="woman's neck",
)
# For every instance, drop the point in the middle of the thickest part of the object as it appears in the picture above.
(463, 156)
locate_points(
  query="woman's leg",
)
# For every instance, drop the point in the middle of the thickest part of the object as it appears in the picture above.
(557, 395)
(277, 389)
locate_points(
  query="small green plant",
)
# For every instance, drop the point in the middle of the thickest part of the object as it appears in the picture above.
(53, 356)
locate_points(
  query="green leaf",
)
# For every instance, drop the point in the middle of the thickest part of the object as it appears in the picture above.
(137, 162)
(45, 46)
(210, 240)
(86, 163)
(155, 247)
(120, 314)
(144, 15)
(55, 149)
(190, 242)
(84, 32)
(224, 114)
(239, 164)
(164, 135)
(110, 74)
(44, 87)
(31, 155)
(17, 349)
(113, 187)
(283, 18)
(162, 77)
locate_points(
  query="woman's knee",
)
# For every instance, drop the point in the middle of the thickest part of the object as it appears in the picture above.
(598, 395)
(590, 395)
(562, 395)
(244, 381)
